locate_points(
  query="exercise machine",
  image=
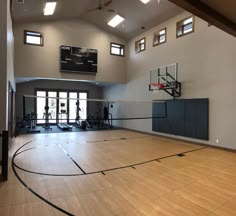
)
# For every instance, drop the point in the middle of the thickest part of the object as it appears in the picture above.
(107, 116)
(46, 116)
(31, 121)
(83, 124)
(77, 120)
(61, 125)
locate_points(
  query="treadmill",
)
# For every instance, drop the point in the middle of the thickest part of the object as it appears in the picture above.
(61, 125)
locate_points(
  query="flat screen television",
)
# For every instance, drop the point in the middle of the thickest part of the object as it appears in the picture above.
(77, 59)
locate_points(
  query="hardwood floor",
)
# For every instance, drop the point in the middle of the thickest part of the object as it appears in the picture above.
(203, 182)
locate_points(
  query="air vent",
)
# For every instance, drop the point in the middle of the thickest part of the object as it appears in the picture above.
(20, 1)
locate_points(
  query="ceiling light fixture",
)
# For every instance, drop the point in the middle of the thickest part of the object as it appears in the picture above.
(115, 21)
(145, 1)
(49, 8)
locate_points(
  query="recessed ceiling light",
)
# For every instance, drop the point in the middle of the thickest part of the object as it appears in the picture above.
(145, 1)
(49, 8)
(115, 21)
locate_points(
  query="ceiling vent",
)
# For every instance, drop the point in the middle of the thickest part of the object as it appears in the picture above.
(20, 1)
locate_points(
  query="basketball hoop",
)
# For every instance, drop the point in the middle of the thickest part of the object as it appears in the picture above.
(157, 86)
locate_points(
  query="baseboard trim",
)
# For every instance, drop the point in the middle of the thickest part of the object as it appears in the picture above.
(185, 141)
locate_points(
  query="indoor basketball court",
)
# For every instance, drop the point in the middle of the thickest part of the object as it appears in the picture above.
(118, 172)
(117, 108)
(115, 171)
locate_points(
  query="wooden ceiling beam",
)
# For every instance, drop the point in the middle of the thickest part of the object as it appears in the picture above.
(208, 14)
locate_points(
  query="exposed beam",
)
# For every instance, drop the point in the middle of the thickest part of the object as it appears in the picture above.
(208, 14)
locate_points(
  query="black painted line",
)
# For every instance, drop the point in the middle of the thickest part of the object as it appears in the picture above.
(115, 139)
(137, 164)
(182, 153)
(137, 118)
(27, 143)
(103, 172)
(26, 150)
(46, 174)
(35, 147)
(71, 159)
(33, 192)
(107, 170)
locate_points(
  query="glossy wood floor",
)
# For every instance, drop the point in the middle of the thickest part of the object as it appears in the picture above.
(203, 182)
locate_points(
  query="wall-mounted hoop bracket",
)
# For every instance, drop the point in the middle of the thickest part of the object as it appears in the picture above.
(165, 78)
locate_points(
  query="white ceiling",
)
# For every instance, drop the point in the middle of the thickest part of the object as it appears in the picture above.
(135, 12)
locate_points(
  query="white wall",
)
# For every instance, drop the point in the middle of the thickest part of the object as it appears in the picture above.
(36, 61)
(206, 70)
(6, 63)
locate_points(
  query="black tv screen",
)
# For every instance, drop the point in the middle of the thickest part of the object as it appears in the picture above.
(76, 59)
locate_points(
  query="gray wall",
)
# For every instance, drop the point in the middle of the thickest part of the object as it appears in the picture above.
(6, 63)
(206, 70)
(28, 88)
(43, 62)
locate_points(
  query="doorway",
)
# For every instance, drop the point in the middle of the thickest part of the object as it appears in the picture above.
(11, 112)
(64, 105)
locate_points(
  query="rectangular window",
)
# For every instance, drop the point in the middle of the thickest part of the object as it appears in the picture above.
(140, 45)
(73, 107)
(83, 105)
(33, 38)
(185, 26)
(159, 37)
(117, 49)
(40, 106)
(63, 111)
(52, 105)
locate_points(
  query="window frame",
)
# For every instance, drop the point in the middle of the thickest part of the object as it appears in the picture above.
(33, 44)
(180, 24)
(138, 45)
(120, 48)
(157, 36)
(59, 90)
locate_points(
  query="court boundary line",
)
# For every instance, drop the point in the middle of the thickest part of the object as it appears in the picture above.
(29, 188)
(68, 155)
(102, 172)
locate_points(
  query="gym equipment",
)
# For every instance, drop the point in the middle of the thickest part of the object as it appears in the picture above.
(31, 122)
(83, 124)
(46, 116)
(107, 116)
(61, 125)
(102, 113)
(166, 78)
(77, 120)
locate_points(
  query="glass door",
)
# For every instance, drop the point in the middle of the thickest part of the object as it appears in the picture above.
(40, 107)
(73, 112)
(83, 105)
(52, 104)
(63, 111)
